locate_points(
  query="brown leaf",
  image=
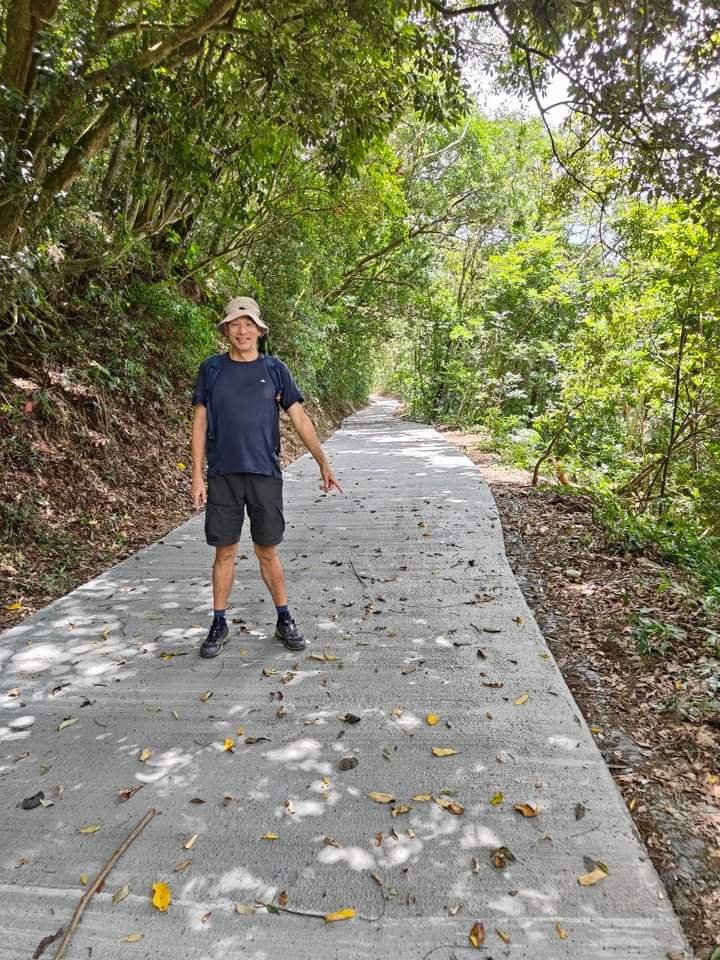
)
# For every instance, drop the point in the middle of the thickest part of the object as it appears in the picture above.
(450, 805)
(129, 792)
(527, 809)
(477, 935)
(206, 916)
(206, 696)
(381, 797)
(589, 879)
(283, 898)
(45, 943)
(400, 809)
(183, 865)
(331, 842)
(501, 857)
(378, 839)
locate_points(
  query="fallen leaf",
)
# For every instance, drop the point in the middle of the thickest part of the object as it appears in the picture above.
(378, 839)
(332, 842)
(561, 931)
(132, 938)
(84, 879)
(432, 719)
(197, 800)
(378, 879)
(523, 698)
(450, 805)
(161, 896)
(183, 865)
(14, 606)
(269, 836)
(501, 857)
(443, 751)
(120, 894)
(229, 744)
(270, 671)
(475, 865)
(206, 916)
(145, 754)
(527, 809)
(129, 792)
(505, 937)
(329, 657)
(175, 715)
(589, 879)
(422, 797)
(243, 909)
(381, 797)
(349, 718)
(289, 806)
(45, 943)
(396, 712)
(206, 696)
(181, 466)
(190, 843)
(283, 898)
(15, 692)
(347, 914)
(91, 828)
(67, 722)
(497, 798)
(400, 809)
(477, 935)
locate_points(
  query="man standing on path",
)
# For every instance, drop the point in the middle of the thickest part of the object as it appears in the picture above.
(236, 423)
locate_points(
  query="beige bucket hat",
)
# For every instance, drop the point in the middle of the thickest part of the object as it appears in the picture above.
(242, 307)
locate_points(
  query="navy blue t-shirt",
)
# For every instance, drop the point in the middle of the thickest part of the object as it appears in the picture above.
(245, 415)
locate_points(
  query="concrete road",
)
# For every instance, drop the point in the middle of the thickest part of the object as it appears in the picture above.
(405, 594)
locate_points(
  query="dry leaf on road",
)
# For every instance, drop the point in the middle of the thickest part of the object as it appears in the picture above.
(477, 935)
(444, 751)
(381, 797)
(162, 896)
(346, 914)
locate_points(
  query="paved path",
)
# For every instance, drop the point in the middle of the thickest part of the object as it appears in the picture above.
(404, 585)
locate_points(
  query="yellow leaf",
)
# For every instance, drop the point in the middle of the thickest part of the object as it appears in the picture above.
(120, 894)
(497, 798)
(443, 751)
(243, 909)
(396, 712)
(399, 809)
(83, 879)
(161, 896)
(229, 744)
(422, 797)
(145, 755)
(561, 931)
(91, 828)
(182, 466)
(269, 836)
(432, 719)
(14, 606)
(381, 797)
(347, 914)
(132, 938)
(595, 729)
(527, 809)
(477, 935)
(588, 879)
(523, 698)
(505, 937)
(190, 843)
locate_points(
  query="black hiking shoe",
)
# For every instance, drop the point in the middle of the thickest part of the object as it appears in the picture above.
(289, 634)
(215, 640)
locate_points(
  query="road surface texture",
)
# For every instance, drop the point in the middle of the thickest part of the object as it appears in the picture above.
(412, 613)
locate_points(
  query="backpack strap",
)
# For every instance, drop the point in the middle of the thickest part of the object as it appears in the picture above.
(211, 374)
(274, 372)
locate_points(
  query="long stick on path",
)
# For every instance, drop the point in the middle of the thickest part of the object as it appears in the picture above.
(99, 879)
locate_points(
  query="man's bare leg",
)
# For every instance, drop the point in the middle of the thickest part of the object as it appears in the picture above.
(223, 575)
(272, 573)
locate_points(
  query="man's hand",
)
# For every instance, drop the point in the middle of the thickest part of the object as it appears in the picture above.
(199, 492)
(328, 479)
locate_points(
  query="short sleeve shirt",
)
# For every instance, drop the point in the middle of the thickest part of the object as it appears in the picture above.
(245, 415)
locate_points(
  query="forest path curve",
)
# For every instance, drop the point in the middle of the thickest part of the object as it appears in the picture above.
(402, 584)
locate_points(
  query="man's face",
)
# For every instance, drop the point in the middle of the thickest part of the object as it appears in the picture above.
(242, 333)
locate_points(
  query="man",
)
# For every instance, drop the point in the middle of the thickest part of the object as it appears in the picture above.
(236, 422)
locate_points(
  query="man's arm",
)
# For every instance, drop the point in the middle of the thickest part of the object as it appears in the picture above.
(197, 451)
(303, 424)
